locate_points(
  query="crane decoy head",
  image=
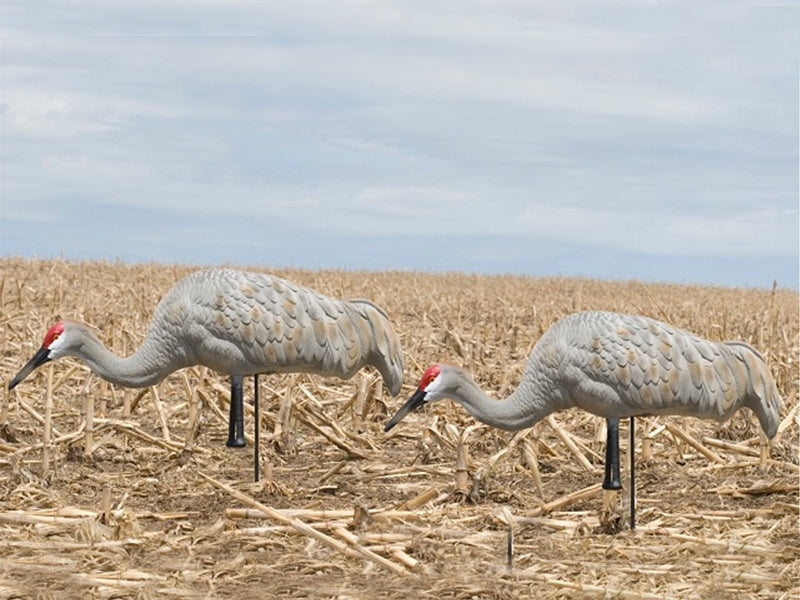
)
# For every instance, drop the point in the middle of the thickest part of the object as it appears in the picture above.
(46, 353)
(426, 385)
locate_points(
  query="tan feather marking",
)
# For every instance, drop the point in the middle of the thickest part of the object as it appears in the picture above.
(756, 374)
(707, 350)
(248, 334)
(674, 380)
(261, 333)
(318, 327)
(637, 375)
(653, 372)
(709, 380)
(725, 382)
(318, 351)
(666, 363)
(739, 376)
(277, 330)
(724, 375)
(353, 356)
(278, 350)
(647, 345)
(290, 306)
(247, 289)
(383, 338)
(269, 353)
(691, 354)
(695, 373)
(643, 364)
(334, 338)
(665, 393)
(364, 330)
(730, 396)
(332, 308)
(255, 313)
(313, 309)
(290, 351)
(646, 395)
(624, 375)
(348, 332)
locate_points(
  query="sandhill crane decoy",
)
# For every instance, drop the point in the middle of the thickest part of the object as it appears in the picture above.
(615, 366)
(240, 323)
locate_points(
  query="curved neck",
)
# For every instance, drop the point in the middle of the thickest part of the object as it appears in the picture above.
(141, 369)
(523, 408)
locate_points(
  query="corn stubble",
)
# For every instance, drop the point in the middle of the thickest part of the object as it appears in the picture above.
(116, 493)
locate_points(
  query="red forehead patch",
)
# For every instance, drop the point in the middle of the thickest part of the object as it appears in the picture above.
(429, 375)
(53, 333)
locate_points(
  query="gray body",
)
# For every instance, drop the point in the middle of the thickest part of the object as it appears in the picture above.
(243, 323)
(617, 365)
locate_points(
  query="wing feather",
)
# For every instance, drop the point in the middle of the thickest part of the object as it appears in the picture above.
(654, 367)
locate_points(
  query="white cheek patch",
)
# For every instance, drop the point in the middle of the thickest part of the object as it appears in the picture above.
(434, 386)
(58, 346)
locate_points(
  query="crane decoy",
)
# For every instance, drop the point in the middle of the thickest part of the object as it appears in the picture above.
(616, 366)
(240, 323)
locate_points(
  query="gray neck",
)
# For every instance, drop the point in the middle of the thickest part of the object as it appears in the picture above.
(523, 408)
(139, 370)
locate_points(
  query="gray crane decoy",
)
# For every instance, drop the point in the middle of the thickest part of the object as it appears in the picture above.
(615, 366)
(240, 323)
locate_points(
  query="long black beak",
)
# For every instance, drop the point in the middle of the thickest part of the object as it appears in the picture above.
(41, 357)
(417, 400)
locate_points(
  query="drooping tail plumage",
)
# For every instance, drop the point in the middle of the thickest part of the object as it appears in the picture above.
(386, 355)
(757, 387)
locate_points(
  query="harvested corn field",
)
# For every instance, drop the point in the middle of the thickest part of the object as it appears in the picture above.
(107, 492)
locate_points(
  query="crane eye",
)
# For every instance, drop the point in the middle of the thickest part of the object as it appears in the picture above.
(53, 334)
(431, 374)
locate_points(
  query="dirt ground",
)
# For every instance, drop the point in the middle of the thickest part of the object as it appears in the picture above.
(107, 492)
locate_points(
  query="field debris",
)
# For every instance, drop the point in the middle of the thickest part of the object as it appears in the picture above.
(118, 493)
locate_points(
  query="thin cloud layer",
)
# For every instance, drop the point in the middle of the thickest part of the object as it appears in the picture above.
(647, 131)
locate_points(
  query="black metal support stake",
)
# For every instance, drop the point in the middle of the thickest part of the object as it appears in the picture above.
(633, 475)
(256, 432)
(612, 481)
(236, 417)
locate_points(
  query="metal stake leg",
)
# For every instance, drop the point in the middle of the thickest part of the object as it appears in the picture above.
(236, 417)
(611, 480)
(256, 432)
(633, 475)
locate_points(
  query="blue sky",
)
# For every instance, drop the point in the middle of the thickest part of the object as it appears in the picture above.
(619, 140)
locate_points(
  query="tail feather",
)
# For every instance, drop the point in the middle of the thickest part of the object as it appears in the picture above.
(761, 393)
(386, 354)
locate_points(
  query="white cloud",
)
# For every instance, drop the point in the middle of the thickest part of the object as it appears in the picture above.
(573, 122)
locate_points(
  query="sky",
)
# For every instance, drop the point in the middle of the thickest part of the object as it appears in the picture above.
(622, 140)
